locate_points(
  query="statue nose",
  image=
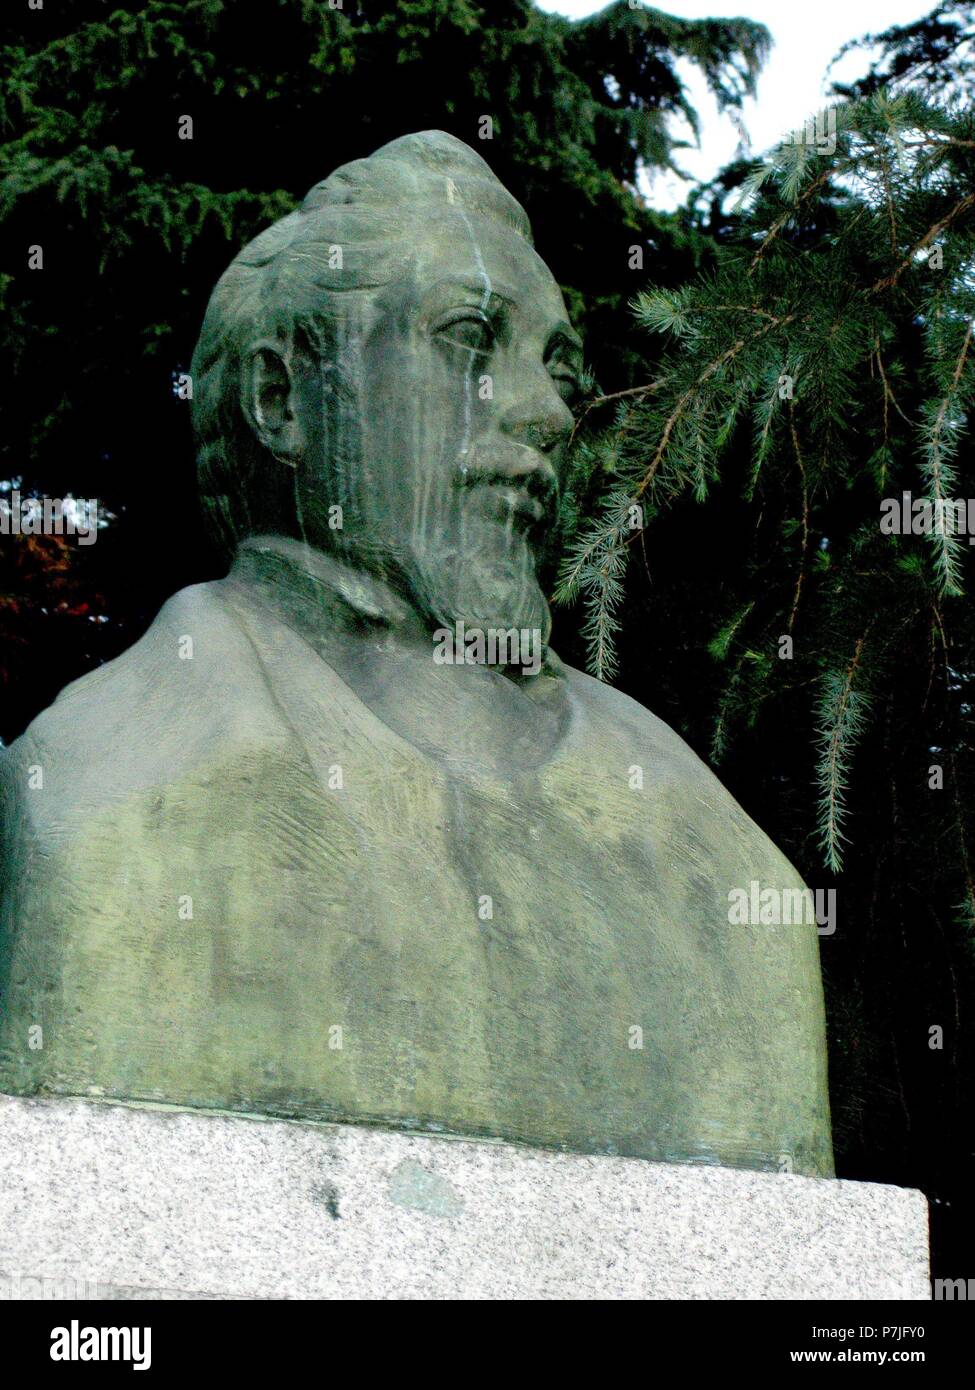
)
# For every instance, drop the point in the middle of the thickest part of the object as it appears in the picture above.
(541, 425)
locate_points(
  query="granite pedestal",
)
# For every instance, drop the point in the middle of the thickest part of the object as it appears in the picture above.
(112, 1201)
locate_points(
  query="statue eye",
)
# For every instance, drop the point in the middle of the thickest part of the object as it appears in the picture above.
(470, 330)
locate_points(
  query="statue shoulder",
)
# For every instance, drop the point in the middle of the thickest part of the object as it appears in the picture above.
(632, 726)
(189, 685)
(684, 788)
(190, 635)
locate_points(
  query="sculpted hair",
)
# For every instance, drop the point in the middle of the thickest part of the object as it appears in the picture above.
(307, 283)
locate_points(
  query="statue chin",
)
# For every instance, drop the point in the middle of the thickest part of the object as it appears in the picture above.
(483, 598)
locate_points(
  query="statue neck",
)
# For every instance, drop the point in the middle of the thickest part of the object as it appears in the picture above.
(318, 591)
(329, 600)
(470, 715)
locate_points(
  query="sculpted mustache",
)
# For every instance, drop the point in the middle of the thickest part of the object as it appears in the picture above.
(538, 485)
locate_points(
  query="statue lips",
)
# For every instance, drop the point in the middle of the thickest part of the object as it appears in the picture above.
(528, 498)
(519, 503)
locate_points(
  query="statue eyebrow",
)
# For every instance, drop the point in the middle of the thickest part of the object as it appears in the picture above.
(478, 291)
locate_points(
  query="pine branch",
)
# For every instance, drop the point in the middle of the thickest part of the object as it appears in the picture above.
(889, 281)
(940, 474)
(805, 517)
(841, 716)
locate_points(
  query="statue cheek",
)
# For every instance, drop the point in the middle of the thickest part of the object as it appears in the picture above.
(445, 412)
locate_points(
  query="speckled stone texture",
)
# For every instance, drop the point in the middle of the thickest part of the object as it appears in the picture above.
(103, 1200)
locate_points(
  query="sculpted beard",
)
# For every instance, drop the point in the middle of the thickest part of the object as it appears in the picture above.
(464, 553)
(477, 563)
(457, 535)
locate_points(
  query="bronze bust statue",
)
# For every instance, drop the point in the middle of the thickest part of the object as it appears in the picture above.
(284, 857)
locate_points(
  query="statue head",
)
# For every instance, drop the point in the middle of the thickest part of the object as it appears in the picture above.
(386, 373)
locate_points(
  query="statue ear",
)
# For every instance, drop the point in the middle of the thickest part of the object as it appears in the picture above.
(269, 403)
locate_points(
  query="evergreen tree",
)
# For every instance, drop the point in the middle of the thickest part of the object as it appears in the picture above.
(740, 515)
(935, 54)
(136, 220)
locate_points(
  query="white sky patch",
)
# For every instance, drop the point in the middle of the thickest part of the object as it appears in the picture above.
(805, 37)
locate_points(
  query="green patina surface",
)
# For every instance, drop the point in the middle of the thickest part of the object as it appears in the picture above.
(281, 860)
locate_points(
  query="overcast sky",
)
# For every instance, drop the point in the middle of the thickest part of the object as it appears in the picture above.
(805, 36)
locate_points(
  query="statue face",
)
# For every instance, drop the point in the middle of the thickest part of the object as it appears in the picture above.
(462, 382)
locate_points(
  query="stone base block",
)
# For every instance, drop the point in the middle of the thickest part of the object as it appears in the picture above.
(113, 1201)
